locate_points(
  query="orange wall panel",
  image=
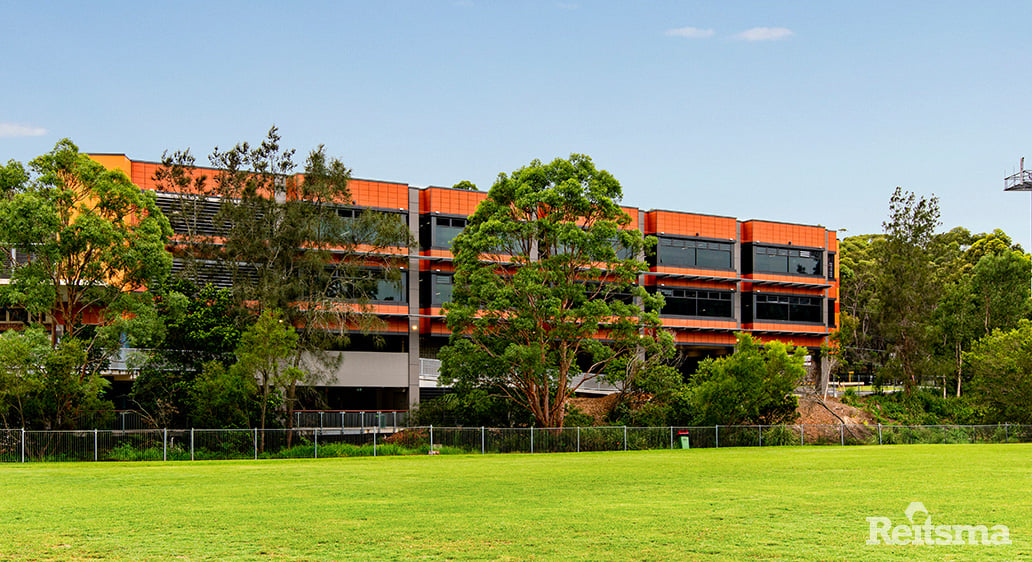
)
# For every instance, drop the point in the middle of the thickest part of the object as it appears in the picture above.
(783, 233)
(382, 195)
(449, 201)
(689, 224)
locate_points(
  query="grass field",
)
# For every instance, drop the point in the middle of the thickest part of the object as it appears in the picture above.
(702, 504)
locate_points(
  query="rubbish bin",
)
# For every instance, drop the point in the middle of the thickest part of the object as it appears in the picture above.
(684, 439)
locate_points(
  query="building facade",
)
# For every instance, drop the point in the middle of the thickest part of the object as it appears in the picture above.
(719, 275)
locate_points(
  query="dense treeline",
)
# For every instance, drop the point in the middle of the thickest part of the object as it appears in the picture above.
(944, 315)
(936, 312)
(90, 255)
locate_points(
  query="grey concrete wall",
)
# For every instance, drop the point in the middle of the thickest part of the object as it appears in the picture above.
(362, 369)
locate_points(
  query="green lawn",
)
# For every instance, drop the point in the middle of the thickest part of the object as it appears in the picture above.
(701, 504)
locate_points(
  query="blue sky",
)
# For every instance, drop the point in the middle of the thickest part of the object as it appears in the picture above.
(808, 112)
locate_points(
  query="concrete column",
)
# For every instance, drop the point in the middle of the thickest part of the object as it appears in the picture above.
(736, 299)
(413, 300)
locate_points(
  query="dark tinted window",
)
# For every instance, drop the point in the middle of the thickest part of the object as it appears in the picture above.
(697, 302)
(446, 229)
(677, 252)
(786, 260)
(788, 308)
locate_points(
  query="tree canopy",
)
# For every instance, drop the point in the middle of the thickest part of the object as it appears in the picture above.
(545, 294)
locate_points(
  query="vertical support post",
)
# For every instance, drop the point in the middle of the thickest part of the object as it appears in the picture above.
(578, 438)
(716, 434)
(376, 432)
(842, 434)
(431, 438)
(1006, 433)
(532, 439)
(95, 444)
(256, 443)
(802, 431)
(671, 438)
(483, 442)
(164, 444)
(317, 442)
(23, 444)
(361, 423)
(879, 434)
(759, 433)
(191, 444)
(625, 438)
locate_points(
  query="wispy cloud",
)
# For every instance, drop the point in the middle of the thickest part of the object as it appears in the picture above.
(15, 130)
(690, 32)
(765, 34)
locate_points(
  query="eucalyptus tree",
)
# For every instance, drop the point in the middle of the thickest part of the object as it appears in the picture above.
(546, 295)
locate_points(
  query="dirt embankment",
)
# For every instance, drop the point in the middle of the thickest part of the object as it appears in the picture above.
(810, 411)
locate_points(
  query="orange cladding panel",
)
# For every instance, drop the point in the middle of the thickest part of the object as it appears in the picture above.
(688, 224)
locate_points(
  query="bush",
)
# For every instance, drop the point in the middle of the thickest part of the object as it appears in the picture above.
(779, 435)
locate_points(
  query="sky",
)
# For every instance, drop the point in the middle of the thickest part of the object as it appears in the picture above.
(808, 112)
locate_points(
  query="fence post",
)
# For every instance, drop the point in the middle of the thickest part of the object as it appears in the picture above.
(716, 436)
(759, 432)
(483, 444)
(23, 444)
(671, 438)
(256, 443)
(879, 434)
(95, 444)
(317, 442)
(191, 444)
(531, 439)
(1006, 433)
(802, 435)
(431, 438)
(361, 423)
(625, 438)
(164, 444)
(578, 438)
(842, 434)
(376, 431)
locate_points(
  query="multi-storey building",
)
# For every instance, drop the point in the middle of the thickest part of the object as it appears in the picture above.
(719, 275)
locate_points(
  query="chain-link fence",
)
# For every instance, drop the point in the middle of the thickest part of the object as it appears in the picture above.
(20, 445)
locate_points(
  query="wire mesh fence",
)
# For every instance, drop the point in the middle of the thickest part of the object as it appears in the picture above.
(21, 445)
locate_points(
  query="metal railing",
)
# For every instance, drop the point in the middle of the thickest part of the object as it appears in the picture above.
(361, 420)
(23, 445)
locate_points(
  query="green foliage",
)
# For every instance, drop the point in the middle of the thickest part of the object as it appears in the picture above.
(23, 357)
(921, 407)
(538, 279)
(750, 386)
(66, 395)
(94, 239)
(223, 397)
(282, 236)
(906, 284)
(474, 407)
(199, 326)
(467, 185)
(1001, 367)
(262, 355)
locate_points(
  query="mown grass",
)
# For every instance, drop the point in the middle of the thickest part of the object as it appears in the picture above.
(700, 504)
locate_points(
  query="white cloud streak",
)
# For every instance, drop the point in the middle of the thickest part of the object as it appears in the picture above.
(690, 32)
(10, 130)
(764, 34)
